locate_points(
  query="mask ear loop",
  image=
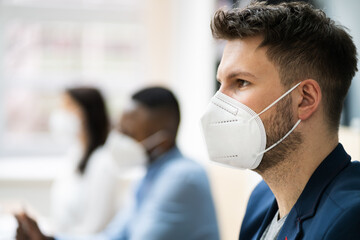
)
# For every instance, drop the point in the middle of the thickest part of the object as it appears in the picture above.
(154, 140)
(267, 108)
(276, 101)
(281, 139)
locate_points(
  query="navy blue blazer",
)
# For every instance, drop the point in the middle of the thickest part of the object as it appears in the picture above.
(328, 207)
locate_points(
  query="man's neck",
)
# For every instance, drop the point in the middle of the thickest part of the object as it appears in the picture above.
(159, 151)
(288, 179)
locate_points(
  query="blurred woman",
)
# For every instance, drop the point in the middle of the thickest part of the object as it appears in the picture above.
(85, 195)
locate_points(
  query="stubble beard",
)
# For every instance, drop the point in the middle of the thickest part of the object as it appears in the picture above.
(277, 126)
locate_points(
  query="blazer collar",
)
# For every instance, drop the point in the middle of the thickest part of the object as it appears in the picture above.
(333, 164)
(268, 217)
(165, 158)
(306, 205)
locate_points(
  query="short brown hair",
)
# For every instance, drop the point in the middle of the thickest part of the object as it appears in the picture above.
(302, 43)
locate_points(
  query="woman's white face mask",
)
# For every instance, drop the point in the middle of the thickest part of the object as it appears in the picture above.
(234, 134)
(65, 125)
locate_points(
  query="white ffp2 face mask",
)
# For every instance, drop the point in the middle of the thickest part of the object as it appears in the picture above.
(127, 152)
(234, 134)
(64, 125)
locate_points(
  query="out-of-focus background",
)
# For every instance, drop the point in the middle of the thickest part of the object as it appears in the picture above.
(120, 46)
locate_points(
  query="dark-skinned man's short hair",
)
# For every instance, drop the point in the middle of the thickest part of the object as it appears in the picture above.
(302, 43)
(160, 99)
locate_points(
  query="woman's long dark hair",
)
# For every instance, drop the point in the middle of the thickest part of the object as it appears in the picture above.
(96, 119)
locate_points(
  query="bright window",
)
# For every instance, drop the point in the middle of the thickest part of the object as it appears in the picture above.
(46, 46)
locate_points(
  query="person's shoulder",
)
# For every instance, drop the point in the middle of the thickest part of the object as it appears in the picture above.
(184, 171)
(351, 171)
(344, 191)
(346, 223)
(184, 165)
(181, 180)
(98, 153)
(336, 214)
(100, 162)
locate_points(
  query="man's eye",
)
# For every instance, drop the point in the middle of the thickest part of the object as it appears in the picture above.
(242, 83)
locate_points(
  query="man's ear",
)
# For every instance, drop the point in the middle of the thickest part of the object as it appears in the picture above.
(308, 99)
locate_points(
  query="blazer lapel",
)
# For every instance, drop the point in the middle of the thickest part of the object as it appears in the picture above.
(291, 228)
(268, 217)
(307, 204)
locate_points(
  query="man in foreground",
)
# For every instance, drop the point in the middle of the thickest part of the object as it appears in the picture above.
(173, 200)
(284, 74)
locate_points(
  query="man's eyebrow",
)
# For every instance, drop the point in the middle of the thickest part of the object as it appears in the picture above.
(238, 74)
